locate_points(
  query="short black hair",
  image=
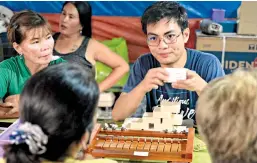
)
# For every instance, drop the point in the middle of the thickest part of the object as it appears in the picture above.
(85, 16)
(166, 9)
(62, 100)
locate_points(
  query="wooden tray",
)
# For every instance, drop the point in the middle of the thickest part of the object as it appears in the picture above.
(142, 145)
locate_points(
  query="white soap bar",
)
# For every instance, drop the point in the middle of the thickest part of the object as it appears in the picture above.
(106, 99)
(139, 153)
(176, 74)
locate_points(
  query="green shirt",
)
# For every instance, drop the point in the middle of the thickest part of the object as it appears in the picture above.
(14, 73)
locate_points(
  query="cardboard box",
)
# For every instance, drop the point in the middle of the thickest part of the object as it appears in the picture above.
(233, 51)
(247, 20)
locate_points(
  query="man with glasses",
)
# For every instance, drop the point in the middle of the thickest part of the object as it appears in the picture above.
(166, 27)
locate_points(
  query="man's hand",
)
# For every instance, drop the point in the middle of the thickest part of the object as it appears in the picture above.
(193, 82)
(154, 78)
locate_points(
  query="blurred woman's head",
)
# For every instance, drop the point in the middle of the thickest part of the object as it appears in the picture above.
(76, 18)
(61, 100)
(226, 116)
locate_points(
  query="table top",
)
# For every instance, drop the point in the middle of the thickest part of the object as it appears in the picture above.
(8, 120)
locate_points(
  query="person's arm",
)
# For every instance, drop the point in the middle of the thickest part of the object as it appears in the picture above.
(103, 54)
(4, 80)
(9, 108)
(4, 105)
(9, 105)
(4, 108)
(13, 101)
(127, 103)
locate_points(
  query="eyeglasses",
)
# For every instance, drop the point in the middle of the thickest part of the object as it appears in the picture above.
(169, 38)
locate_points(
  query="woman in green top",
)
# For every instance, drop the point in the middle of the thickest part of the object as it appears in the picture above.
(30, 35)
(57, 115)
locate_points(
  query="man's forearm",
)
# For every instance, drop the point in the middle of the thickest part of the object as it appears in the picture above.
(127, 104)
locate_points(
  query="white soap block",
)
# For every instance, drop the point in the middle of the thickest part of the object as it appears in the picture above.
(176, 74)
(148, 118)
(175, 119)
(157, 113)
(138, 125)
(151, 120)
(178, 118)
(164, 126)
(173, 107)
(127, 126)
(106, 99)
(135, 127)
(154, 127)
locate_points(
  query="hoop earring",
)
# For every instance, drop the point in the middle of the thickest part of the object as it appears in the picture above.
(80, 31)
(20, 56)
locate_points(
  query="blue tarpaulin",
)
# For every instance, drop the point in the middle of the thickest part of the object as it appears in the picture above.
(200, 9)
